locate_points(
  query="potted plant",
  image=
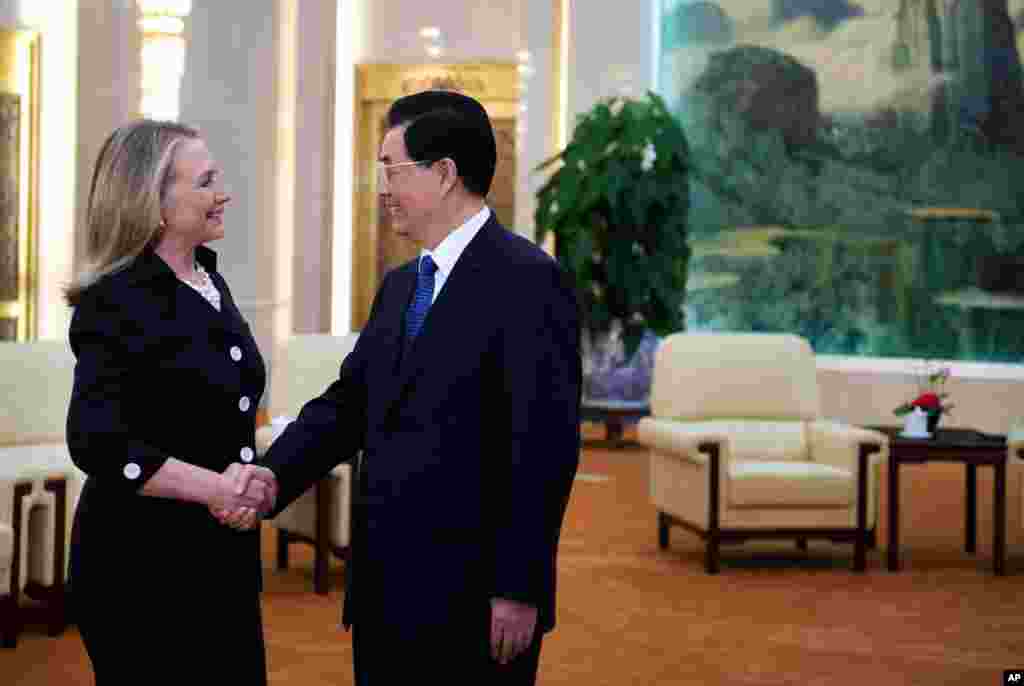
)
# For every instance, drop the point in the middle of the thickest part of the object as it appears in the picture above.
(617, 204)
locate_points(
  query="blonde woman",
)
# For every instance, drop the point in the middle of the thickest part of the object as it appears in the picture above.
(167, 381)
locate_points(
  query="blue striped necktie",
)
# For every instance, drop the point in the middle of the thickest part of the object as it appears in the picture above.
(421, 300)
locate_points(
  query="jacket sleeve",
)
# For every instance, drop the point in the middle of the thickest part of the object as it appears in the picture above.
(542, 383)
(108, 381)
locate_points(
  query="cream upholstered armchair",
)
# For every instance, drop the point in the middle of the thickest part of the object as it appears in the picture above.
(739, 450)
(304, 366)
(39, 484)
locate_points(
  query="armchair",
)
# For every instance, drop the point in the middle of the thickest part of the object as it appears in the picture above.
(739, 450)
(39, 484)
(305, 365)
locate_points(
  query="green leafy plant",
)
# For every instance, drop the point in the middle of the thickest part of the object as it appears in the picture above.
(617, 205)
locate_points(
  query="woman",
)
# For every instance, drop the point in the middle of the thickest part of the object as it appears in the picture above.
(167, 382)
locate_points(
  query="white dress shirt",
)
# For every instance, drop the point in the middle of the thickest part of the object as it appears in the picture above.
(447, 253)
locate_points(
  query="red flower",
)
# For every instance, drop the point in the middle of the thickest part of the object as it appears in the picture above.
(928, 401)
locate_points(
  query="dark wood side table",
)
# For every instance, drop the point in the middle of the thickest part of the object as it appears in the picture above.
(973, 449)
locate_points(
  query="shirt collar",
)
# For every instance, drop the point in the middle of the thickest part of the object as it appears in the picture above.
(447, 253)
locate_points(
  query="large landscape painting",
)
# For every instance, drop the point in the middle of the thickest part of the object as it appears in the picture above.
(858, 171)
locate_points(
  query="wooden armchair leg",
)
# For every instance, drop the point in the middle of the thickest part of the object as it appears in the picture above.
(713, 543)
(860, 563)
(282, 549)
(55, 598)
(712, 555)
(861, 541)
(663, 527)
(57, 621)
(323, 537)
(320, 571)
(10, 622)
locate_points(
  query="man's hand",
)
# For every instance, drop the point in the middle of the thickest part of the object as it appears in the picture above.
(512, 627)
(252, 492)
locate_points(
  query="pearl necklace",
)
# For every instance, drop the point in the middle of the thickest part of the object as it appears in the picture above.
(203, 285)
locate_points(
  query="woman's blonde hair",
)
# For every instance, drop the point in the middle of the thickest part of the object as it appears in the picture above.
(129, 183)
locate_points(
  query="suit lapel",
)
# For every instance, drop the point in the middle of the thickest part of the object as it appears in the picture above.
(394, 331)
(455, 303)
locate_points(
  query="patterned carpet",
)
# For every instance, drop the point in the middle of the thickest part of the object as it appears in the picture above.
(631, 614)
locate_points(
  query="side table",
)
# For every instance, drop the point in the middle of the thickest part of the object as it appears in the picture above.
(973, 449)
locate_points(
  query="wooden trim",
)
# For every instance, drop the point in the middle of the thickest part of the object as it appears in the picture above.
(999, 518)
(714, 535)
(8, 621)
(323, 536)
(836, 535)
(13, 628)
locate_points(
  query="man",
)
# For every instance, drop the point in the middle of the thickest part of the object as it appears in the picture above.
(462, 394)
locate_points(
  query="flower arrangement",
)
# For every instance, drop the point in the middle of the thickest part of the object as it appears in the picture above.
(931, 396)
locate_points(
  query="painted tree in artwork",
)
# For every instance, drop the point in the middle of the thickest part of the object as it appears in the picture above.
(988, 87)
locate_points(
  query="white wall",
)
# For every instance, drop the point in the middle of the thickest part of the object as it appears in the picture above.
(610, 51)
(987, 397)
(229, 92)
(472, 31)
(9, 13)
(109, 85)
(314, 161)
(536, 139)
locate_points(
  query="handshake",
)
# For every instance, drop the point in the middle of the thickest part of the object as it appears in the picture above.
(245, 494)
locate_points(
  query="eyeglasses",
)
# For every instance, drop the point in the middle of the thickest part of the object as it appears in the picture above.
(384, 173)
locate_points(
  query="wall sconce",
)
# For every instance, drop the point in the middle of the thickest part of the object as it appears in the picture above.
(163, 56)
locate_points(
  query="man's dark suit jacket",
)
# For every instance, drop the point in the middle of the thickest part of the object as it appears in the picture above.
(470, 439)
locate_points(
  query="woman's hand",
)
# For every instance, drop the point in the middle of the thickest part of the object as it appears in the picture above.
(246, 492)
(242, 519)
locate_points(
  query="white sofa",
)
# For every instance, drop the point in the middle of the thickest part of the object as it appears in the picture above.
(39, 485)
(739, 449)
(302, 368)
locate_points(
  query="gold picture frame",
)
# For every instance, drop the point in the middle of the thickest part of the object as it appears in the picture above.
(19, 148)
